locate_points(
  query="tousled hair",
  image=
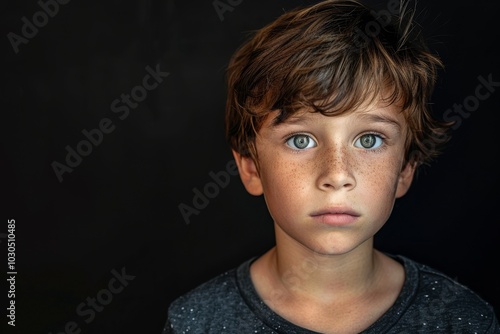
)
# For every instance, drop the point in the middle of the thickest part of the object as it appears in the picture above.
(331, 58)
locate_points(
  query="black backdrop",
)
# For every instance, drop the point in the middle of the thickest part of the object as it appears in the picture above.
(116, 214)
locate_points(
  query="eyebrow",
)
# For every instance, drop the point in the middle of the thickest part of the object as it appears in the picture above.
(293, 119)
(377, 118)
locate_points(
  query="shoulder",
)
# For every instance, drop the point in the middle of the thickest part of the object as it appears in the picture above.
(438, 300)
(211, 307)
(439, 288)
(211, 294)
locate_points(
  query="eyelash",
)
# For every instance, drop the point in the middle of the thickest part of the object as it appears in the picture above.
(382, 146)
(290, 136)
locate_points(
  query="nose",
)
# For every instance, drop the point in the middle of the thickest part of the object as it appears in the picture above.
(335, 171)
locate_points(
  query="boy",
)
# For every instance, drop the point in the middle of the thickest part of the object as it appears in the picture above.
(327, 117)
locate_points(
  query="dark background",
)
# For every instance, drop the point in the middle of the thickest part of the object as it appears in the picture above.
(118, 209)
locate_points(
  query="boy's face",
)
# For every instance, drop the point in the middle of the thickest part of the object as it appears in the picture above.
(330, 182)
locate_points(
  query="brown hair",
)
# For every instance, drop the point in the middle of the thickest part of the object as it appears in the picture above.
(331, 58)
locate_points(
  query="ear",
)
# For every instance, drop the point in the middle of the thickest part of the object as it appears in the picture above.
(249, 174)
(405, 179)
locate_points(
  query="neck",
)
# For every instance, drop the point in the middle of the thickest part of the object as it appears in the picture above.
(301, 273)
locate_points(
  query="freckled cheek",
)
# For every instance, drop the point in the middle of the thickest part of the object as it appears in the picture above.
(380, 175)
(284, 183)
(283, 175)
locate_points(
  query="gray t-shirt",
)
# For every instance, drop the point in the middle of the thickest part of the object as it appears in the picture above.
(429, 302)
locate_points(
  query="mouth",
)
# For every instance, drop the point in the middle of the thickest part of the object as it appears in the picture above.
(336, 216)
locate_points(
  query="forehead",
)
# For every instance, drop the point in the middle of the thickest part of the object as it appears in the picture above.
(375, 111)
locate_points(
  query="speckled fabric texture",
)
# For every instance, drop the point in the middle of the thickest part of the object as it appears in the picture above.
(430, 302)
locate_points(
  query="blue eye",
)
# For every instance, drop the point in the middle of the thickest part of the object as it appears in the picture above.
(369, 141)
(301, 142)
